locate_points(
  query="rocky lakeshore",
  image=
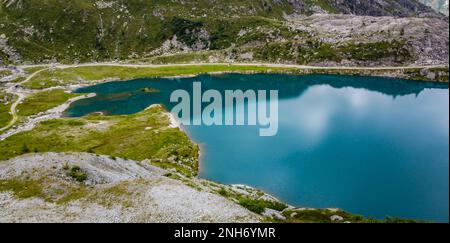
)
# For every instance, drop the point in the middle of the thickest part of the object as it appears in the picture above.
(81, 187)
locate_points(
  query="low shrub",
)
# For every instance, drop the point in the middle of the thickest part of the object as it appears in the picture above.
(78, 174)
(259, 206)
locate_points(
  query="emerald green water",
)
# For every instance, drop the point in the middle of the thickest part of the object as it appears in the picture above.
(372, 146)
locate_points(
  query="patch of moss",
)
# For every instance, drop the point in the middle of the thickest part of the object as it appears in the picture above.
(5, 72)
(43, 101)
(25, 149)
(119, 190)
(6, 101)
(223, 192)
(22, 188)
(73, 194)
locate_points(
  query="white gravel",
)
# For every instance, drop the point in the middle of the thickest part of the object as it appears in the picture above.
(153, 197)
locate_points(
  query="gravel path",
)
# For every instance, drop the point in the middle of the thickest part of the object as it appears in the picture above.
(32, 121)
(275, 65)
(21, 95)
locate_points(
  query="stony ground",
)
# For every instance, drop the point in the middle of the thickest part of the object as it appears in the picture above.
(115, 190)
(427, 38)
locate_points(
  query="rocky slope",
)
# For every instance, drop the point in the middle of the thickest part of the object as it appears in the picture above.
(366, 40)
(400, 8)
(113, 190)
(33, 31)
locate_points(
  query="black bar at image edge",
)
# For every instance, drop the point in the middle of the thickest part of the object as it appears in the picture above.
(233, 232)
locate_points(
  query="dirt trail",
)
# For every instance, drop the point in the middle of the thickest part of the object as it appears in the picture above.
(20, 97)
(115, 64)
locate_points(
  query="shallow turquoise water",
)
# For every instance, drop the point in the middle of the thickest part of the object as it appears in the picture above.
(372, 146)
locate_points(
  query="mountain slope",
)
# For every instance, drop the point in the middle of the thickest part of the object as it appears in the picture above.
(86, 30)
(438, 5)
(400, 8)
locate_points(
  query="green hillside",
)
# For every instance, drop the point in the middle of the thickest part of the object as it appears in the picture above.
(86, 30)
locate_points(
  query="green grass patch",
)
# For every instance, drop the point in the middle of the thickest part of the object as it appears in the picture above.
(22, 188)
(73, 194)
(223, 192)
(259, 206)
(27, 71)
(118, 136)
(6, 101)
(31, 70)
(188, 171)
(5, 116)
(43, 101)
(5, 72)
(18, 79)
(62, 192)
(63, 39)
(119, 193)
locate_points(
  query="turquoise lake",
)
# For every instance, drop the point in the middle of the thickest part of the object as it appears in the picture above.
(372, 146)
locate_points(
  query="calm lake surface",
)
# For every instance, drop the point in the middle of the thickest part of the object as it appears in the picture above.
(372, 146)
